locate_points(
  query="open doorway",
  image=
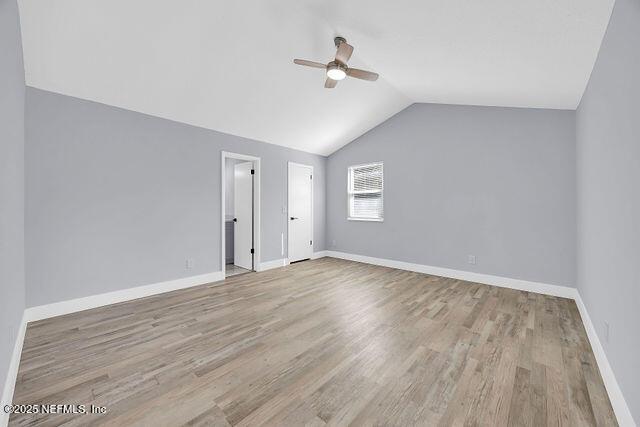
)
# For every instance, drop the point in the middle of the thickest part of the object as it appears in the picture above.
(240, 213)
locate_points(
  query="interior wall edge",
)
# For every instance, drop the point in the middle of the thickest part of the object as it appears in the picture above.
(608, 201)
(620, 407)
(12, 372)
(12, 196)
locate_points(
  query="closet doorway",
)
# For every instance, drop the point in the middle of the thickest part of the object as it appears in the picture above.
(240, 213)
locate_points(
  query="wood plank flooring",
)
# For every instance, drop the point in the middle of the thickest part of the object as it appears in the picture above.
(234, 270)
(323, 342)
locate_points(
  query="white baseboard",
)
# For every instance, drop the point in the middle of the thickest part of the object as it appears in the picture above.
(618, 402)
(611, 384)
(319, 254)
(268, 265)
(285, 261)
(79, 304)
(623, 414)
(12, 372)
(503, 282)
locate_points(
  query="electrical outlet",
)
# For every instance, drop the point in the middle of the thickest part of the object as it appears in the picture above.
(188, 264)
(471, 259)
(606, 331)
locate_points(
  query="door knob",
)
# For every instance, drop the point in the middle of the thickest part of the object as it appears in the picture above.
(293, 217)
(235, 219)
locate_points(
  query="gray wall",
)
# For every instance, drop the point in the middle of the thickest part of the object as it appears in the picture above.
(497, 183)
(608, 153)
(117, 199)
(12, 283)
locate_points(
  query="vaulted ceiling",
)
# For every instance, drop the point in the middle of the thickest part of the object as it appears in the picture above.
(227, 65)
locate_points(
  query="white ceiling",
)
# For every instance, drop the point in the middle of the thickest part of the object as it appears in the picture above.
(227, 65)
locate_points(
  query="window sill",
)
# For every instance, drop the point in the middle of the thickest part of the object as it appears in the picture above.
(366, 219)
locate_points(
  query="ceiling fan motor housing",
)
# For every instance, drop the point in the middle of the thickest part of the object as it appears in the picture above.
(337, 40)
(337, 65)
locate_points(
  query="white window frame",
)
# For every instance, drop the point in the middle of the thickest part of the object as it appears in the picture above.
(349, 169)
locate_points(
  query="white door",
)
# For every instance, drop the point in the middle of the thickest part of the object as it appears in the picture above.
(300, 212)
(243, 219)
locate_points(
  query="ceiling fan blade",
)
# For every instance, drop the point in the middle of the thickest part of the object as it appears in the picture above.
(309, 63)
(344, 52)
(362, 74)
(330, 83)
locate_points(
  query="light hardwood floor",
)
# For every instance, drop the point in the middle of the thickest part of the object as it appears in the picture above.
(319, 342)
(234, 270)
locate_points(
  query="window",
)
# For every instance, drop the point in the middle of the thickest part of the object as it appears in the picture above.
(365, 192)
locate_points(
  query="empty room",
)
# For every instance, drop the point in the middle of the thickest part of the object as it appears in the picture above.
(310, 213)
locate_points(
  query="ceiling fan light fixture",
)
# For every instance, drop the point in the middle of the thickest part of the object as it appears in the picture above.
(336, 73)
(338, 69)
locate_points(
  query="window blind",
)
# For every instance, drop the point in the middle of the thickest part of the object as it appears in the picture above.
(365, 192)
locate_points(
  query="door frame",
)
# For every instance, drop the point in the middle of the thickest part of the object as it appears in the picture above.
(256, 207)
(289, 165)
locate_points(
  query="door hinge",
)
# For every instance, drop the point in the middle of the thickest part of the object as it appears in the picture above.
(253, 172)
(251, 250)
(311, 242)
(310, 176)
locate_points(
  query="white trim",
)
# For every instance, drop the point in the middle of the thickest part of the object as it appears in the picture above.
(79, 304)
(315, 255)
(256, 205)
(12, 372)
(299, 164)
(623, 414)
(504, 282)
(319, 254)
(362, 165)
(366, 219)
(276, 263)
(620, 407)
(289, 164)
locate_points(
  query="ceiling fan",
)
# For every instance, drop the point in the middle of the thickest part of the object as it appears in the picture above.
(337, 69)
